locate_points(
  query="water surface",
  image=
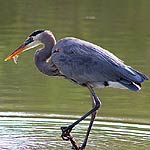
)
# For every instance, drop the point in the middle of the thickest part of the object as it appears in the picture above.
(41, 131)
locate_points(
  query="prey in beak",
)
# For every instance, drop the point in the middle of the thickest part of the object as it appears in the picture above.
(27, 44)
(15, 52)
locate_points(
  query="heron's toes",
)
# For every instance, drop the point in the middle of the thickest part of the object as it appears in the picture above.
(66, 133)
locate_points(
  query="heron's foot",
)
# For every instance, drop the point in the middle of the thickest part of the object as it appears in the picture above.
(66, 133)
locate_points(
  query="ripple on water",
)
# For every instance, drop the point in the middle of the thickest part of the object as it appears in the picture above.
(42, 131)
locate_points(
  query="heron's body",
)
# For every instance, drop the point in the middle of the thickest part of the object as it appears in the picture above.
(84, 63)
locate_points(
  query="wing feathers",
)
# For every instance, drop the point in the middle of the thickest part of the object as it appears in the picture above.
(85, 62)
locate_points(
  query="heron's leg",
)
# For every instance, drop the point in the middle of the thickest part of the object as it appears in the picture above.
(66, 130)
(90, 125)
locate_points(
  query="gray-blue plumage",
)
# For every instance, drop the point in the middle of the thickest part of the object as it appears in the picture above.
(85, 62)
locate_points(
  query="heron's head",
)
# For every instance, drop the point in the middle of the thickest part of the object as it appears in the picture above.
(33, 40)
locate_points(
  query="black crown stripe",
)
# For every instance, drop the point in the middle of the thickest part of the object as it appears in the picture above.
(36, 32)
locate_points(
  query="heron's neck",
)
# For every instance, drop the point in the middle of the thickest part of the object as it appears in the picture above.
(42, 55)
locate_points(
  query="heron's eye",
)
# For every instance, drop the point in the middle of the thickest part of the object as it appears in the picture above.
(31, 39)
(28, 40)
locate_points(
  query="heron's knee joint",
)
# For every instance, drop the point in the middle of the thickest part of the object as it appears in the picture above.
(98, 104)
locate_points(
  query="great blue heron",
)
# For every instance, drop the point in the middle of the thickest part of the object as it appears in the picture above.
(82, 62)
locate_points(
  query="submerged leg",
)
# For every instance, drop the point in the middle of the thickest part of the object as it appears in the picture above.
(97, 103)
(69, 136)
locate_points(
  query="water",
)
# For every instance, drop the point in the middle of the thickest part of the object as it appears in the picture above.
(36, 131)
(33, 107)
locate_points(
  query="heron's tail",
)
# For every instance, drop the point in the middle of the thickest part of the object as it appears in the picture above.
(131, 85)
(132, 79)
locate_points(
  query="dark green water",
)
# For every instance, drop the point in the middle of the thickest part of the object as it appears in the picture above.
(34, 106)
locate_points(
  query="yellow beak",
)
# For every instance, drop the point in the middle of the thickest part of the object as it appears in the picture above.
(17, 51)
